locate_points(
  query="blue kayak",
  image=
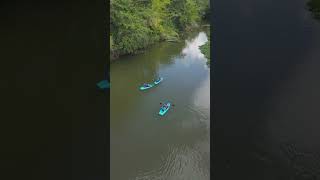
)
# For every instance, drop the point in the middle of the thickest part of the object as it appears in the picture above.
(158, 81)
(104, 84)
(164, 108)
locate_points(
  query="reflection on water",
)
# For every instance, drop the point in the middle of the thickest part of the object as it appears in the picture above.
(181, 163)
(192, 50)
(201, 98)
(201, 101)
(176, 146)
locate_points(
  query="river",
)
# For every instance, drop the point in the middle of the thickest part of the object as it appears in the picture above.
(144, 145)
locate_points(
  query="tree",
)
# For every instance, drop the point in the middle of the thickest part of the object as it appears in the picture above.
(136, 24)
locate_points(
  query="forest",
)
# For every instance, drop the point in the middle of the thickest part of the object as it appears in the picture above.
(137, 24)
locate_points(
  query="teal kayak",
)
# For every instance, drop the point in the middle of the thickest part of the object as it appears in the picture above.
(164, 108)
(104, 84)
(146, 86)
(158, 81)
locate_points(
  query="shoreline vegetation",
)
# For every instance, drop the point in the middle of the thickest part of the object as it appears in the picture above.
(205, 49)
(137, 24)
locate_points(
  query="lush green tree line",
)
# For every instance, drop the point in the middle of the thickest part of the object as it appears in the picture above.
(136, 24)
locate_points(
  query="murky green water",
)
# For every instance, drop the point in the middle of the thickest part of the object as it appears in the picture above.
(145, 145)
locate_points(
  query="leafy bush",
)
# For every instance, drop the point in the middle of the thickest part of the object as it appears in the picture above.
(136, 24)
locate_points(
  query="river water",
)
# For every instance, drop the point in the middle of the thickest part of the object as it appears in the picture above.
(144, 145)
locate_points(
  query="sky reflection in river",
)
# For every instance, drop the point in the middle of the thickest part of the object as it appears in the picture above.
(192, 51)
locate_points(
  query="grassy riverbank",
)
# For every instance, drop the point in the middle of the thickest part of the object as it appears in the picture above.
(137, 24)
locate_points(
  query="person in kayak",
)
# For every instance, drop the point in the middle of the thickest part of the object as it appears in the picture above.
(146, 85)
(165, 106)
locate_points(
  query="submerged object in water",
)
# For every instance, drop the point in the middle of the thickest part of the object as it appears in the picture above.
(164, 108)
(104, 84)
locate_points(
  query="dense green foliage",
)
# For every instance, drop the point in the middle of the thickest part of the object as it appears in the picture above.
(136, 24)
(314, 7)
(205, 49)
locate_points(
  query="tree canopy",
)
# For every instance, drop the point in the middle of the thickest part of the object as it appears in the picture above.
(136, 24)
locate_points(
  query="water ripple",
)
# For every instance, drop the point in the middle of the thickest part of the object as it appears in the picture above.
(181, 163)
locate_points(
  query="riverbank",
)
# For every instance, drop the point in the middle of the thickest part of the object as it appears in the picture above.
(135, 26)
(205, 49)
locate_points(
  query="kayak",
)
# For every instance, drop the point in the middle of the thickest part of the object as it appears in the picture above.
(163, 109)
(146, 87)
(158, 81)
(104, 84)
